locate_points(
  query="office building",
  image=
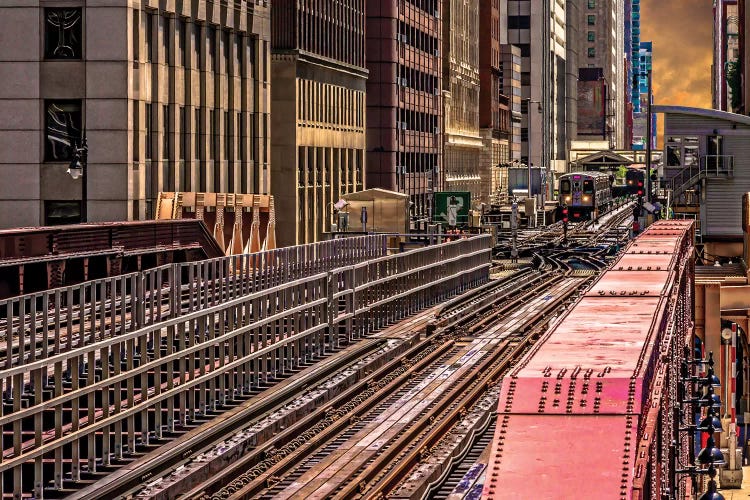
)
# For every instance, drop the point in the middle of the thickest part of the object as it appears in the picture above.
(318, 112)
(600, 52)
(494, 106)
(463, 144)
(725, 71)
(404, 99)
(538, 28)
(640, 98)
(169, 97)
(510, 81)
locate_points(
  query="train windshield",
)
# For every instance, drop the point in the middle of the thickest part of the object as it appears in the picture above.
(565, 186)
(588, 187)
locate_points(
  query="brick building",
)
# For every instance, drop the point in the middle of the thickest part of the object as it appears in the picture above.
(404, 99)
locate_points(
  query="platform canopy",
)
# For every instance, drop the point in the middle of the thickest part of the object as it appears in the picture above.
(602, 160)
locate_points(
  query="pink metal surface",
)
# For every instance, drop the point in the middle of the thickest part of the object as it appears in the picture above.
(560, 458)
(573, 413)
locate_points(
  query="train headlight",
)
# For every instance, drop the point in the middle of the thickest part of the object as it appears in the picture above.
(567, 199)
(587, 198)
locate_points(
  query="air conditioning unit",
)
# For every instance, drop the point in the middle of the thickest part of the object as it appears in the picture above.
(403, 38)
(402, 125)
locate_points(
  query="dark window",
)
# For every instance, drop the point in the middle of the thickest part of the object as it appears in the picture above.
(673, 156)
(182, 41)
(57, 213)
(591, 20)
(63, 33)
(525, 49)
(213, 131)
(62, 129)
(565, 186)
(592, 4)
(149, 131)
(588, 187)
(165, 135)
(591, 36)
(211, 35)
(149, 25)
(184, 137)
(165, 32)
(592, 52)
(519, 22)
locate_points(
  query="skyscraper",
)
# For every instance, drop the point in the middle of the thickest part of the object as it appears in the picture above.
(318, 111)
(600, 50)
(642, 65)
(725, 54)
(538, 27)
(404, 99)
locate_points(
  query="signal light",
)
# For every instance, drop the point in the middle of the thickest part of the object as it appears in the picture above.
(565, 215)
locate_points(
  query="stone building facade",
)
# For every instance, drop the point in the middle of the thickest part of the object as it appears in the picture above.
(170, 97)
(404, 100)
(463, 143)
(318, 112)
(494, 106)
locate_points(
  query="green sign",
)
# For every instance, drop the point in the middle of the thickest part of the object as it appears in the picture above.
(452, 208)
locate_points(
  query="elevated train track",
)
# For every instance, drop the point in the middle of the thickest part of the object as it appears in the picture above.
(245, 354)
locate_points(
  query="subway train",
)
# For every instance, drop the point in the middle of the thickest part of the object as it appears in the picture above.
(586, 194)
(633, 185)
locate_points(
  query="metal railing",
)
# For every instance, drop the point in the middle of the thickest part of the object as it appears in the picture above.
(95, 402)
(54, 321)
(709, 166)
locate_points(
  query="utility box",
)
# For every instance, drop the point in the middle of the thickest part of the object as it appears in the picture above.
(387, 211)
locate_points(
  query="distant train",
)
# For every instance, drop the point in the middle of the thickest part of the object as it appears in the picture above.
(633, 186)
(586, 194)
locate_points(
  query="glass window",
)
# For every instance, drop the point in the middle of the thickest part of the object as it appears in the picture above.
(149, 130)
(63, 33)
(61, 212)
(565, 186)
(592, 4)
(674, 156)
(588, 187)
(591, 36)
(211, 35)
(62, 129)
(591, 20)
(592, 52)
(148, 26)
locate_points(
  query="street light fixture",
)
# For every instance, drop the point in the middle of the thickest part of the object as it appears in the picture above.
(77, 169)
(529, 101)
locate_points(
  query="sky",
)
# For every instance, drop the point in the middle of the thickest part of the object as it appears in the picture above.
(681, 31)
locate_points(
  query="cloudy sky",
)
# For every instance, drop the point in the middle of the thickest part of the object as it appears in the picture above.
(681, 31)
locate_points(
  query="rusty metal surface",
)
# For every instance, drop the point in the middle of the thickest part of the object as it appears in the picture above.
(579, 414)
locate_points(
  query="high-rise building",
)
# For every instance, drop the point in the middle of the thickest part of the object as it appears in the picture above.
(494, 105)
(510, 81)
(628, 83)
(640, 98)
(404, 99)
(318, 112)
(635, 46)
(538, 28)
(463, 144)
(725, 54)
(169, 99)
(600, 54)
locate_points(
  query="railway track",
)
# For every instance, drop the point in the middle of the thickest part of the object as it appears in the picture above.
(271, 469)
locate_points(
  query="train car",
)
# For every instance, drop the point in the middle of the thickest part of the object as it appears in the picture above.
(631, 184)
(587, 194)
(589, 411)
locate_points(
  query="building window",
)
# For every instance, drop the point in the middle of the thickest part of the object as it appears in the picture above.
(519, 22)
(165, 135)
(592, 4)
(211, 35)
(165, 32)
(591, 20)
(149, 130)
(591, 36)
(57, 213)
(63, 33)
(182, 42)
(149, 37)
(62, 129)
(592, 52)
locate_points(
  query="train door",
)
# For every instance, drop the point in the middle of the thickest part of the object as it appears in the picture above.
(589, 197)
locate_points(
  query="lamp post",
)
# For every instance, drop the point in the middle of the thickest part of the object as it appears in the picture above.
(77, 168)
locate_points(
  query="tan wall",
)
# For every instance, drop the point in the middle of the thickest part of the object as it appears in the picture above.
(318, 145)
(114, 82)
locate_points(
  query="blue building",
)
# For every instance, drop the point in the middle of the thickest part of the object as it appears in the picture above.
(641, 67)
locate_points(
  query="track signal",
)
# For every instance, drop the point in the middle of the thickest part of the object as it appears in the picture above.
(565, 214)
(640, 188)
